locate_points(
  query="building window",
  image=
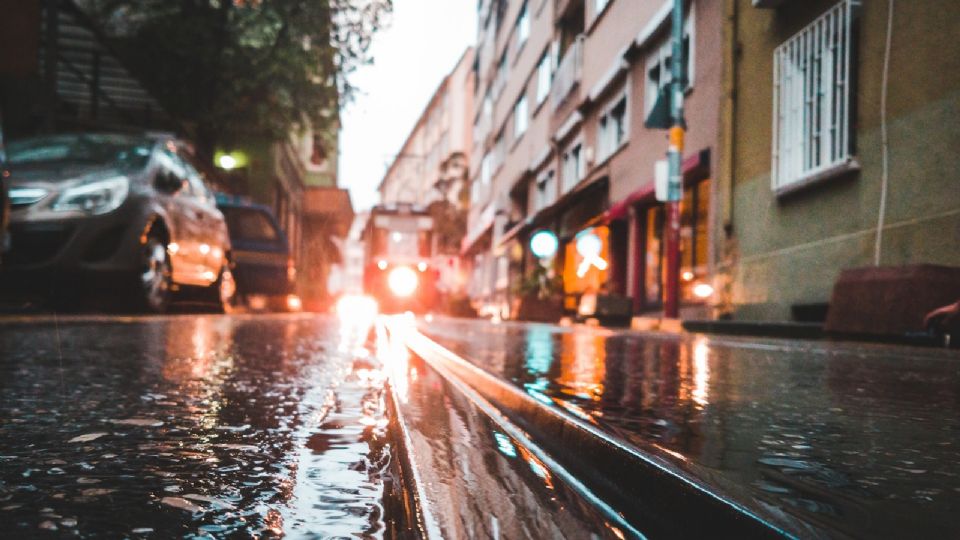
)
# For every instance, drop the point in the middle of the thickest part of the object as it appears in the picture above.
(572, 163)
(600, 5)
(653, 256)
(501, 79)
(498, 154)
(693, 238)
(659, 64)
(811, 101)
(521, 116)
(545, 191)
(695, 208)
(486, 169)
(523, 26)
(475, 71)
(501, 12)
(613, 128)
(544, 76)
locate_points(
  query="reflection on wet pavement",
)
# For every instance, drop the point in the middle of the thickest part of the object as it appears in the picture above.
(479, 481)
(184, 426)
(862, 440)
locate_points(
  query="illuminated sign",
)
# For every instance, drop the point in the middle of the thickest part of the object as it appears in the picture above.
(589, 246)
(543, 244)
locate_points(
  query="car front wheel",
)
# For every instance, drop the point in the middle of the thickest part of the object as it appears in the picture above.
(154, 276)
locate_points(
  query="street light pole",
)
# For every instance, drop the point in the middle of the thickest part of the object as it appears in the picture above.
(674, 157)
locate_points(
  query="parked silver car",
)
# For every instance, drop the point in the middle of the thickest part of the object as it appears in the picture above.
(106, 213)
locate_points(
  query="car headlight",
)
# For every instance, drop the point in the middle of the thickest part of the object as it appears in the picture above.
(402, 281)
(97, 197)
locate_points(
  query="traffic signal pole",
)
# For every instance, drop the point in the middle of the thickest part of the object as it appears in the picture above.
(671, 302)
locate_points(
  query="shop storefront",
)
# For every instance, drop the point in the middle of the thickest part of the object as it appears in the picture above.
(694, 247)
(639, 221)
(586, 265)
(584, 254)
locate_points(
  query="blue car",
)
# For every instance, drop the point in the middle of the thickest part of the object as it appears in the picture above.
(262, 266)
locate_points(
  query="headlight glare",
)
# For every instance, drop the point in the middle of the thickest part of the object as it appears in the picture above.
(97, 197)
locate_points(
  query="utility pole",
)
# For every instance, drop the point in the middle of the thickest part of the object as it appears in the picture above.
(674, 157)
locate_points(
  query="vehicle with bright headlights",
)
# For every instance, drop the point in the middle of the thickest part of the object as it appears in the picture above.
(112, 214)
(398, 270)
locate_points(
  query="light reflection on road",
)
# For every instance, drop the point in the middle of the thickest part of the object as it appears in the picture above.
(233, 425)
(858, 439)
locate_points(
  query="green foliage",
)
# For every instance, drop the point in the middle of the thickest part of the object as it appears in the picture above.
(449, 226)
(539, 283)
(234, 68)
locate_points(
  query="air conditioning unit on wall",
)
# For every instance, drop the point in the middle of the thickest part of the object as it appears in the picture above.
(769, 4)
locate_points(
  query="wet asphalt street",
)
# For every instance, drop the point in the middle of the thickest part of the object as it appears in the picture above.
(190, 426)
(824, 439)
(240, 426)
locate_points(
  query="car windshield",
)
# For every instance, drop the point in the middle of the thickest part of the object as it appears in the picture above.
(250, 225)
(107, 150)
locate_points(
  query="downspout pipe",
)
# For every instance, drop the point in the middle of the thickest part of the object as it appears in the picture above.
(884, 141)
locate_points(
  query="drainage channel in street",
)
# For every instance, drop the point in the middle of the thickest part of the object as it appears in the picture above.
(471, 473)
(636, 494)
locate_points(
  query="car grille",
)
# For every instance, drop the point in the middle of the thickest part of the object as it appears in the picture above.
(35, 246)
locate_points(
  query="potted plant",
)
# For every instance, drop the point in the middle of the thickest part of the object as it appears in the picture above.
(539, 296)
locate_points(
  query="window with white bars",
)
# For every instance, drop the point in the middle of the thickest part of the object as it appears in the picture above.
(811, 99)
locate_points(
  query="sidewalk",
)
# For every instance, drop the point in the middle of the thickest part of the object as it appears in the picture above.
(817, 436)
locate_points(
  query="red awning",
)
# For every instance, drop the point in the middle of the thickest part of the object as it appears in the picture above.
(619, 210)
(693, 167)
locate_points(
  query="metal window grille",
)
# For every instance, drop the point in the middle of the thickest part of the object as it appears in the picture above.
(811, 100)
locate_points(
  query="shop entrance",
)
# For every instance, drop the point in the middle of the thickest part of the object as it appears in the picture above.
(694, 247)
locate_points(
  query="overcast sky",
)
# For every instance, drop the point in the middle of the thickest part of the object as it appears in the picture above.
(410, 58)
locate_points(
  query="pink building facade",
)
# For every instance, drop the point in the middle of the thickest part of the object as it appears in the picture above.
(559, 143)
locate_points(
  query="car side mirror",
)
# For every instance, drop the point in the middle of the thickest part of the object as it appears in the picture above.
(167, 182)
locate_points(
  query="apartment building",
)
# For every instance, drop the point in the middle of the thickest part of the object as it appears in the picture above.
(844, 125)
(564, 88)
(432, 163)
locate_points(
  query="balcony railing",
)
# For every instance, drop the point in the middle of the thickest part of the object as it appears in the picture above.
(568, 73)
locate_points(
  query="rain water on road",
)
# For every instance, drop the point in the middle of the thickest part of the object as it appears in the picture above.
(856, 439)
(190, 426)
